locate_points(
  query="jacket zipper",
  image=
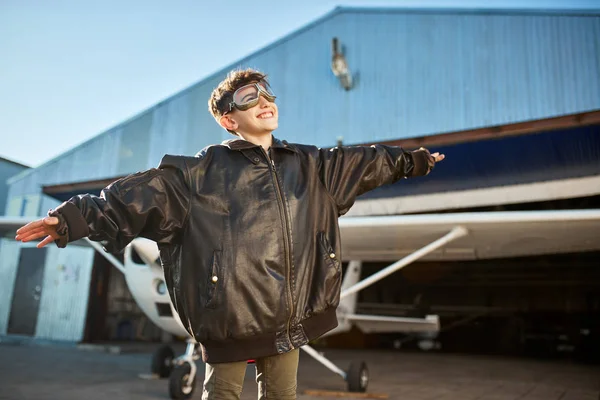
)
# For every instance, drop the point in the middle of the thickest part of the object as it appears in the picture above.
(288, 268)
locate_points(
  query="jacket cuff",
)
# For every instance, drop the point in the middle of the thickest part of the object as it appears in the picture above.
(423, 162)
(72, 226)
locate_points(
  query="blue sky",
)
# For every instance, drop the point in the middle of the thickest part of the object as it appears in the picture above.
(72, 69)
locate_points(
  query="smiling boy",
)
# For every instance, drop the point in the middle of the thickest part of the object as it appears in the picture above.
(247, 232)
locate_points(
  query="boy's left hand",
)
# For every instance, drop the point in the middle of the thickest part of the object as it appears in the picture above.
(438, 157)
(425, 161)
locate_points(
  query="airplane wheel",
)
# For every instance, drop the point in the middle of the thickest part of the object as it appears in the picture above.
(178, 386)
(358, 377)
(162, 361)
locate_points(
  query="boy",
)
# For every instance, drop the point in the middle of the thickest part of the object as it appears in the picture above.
(247, 232)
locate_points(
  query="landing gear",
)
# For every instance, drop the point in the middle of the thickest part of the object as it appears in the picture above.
(180, 386)
(182, 380)
(357, 377)
(162, 361)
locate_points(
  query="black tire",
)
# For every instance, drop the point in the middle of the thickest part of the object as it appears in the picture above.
(357, 377)
(178, 388)
(162, 361)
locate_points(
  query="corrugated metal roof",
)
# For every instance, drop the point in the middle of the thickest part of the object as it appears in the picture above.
(418, 72)
(8, 161)
(470, 11)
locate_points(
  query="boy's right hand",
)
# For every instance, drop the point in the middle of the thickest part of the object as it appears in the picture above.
(37, 229)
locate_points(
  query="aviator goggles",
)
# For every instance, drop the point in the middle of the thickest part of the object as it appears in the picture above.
(247, 96)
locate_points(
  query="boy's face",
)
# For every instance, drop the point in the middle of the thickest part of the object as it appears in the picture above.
(263, 118)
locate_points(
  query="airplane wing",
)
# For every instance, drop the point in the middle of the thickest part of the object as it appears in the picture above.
(489, 234)
(383, 324)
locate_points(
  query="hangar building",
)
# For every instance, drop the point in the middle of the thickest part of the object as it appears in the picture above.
(512, 97)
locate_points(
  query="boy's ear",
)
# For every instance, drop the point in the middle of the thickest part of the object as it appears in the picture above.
(228, 123)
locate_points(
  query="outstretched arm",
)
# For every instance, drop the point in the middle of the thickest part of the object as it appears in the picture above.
(348, 172)
(153, 204)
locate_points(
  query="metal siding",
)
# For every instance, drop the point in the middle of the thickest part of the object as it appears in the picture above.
(50, 174)
(134, 148)
(202, 127)
(93, 160)
(417, 73)
(31, 204)
(65, 293)
(175, 126)
(47, 203)
(423, 74)
(169, 126)
(7, 169)
(13, 206)
(453, 72)
(23, 190)
(30, 185)
(9, 260)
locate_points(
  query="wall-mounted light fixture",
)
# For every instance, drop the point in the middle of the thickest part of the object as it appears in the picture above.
(339, 65)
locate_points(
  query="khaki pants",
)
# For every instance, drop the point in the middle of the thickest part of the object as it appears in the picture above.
(276, 377)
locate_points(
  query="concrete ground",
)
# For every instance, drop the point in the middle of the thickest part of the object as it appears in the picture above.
(67, 373)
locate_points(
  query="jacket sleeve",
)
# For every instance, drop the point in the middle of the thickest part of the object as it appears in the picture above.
(152, 204)
(348, 172)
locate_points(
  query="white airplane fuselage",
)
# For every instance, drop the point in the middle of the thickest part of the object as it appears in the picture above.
(146, 283)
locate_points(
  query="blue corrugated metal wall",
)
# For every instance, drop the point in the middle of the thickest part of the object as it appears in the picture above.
(417, 73)
(7, 170)
(423, 74)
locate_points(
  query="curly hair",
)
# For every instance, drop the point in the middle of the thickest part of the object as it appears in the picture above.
(222, 95)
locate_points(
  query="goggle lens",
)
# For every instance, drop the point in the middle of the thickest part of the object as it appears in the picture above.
(247, 96)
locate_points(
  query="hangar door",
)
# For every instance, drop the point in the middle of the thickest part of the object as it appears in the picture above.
(27, 292)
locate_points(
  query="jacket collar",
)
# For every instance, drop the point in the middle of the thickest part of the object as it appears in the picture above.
(241, 144)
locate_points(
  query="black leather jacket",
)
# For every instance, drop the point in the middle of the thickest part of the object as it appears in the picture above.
(249, 241)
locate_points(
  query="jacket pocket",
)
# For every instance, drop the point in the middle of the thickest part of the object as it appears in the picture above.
(331, 272)
(214, 281)
(328, 252)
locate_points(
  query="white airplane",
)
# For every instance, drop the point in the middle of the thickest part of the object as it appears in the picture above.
(406, 238)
